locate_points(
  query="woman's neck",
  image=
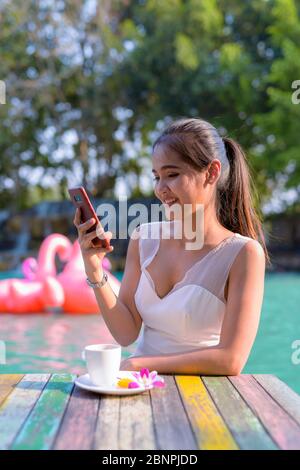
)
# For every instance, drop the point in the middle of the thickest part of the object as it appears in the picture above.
(207, 232)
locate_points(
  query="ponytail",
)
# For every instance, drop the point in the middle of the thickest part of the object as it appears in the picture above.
(235, 207)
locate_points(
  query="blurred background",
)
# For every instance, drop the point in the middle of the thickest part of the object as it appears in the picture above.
(88, 85)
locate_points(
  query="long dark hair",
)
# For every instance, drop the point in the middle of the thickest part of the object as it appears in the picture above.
(198, 143)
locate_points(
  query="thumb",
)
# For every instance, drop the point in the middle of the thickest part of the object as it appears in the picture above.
(108, 235)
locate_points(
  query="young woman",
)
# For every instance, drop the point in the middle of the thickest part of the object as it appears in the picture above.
(199, 308)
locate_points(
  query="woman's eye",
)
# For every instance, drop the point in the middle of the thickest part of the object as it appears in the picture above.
(156, 178)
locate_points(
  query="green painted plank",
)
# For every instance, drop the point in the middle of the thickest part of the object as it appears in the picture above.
(242, 422)
(18, 405)
(40, 429)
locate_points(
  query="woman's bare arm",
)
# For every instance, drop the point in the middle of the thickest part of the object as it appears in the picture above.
(120, 313)
(239, 329)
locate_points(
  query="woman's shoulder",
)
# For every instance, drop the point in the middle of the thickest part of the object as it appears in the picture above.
(251, 245)
(251, 252)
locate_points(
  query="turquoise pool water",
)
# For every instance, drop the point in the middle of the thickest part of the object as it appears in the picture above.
(279, 328)
(52, 342)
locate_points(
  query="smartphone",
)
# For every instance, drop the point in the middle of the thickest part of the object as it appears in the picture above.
(81, 200)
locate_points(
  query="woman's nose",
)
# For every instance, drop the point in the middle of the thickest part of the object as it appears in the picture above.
(161, 189)
(162, 186)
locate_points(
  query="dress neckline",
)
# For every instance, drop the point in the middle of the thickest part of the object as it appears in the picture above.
(212, 251)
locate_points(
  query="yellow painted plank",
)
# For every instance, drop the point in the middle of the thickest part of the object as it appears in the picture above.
(7, 383)
(208, 425)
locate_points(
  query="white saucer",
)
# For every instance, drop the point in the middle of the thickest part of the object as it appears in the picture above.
(85, 382)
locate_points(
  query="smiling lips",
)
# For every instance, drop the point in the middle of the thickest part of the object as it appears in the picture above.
(170, 202)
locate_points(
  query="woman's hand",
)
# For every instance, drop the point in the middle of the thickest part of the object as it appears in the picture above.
(92, 255)
(130, 364)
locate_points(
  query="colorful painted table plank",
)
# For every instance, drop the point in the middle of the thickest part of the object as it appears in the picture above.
(44, 411)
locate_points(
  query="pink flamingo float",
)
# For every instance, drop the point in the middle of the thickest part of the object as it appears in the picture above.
(42, 289)
(25, 296)
(79, 297)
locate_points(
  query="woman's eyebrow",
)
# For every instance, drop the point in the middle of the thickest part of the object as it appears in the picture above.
(164, 167)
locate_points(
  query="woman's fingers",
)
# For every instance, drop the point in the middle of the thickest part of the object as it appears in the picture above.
(76, 220)
(102, 235)
(86, 238)
(85, 226)
(91, 235)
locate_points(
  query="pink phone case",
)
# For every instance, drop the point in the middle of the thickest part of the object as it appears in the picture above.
(81, 200)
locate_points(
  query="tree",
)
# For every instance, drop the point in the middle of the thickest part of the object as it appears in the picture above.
(59, 117)
(91, 84)
(209, 59)
(279, 126)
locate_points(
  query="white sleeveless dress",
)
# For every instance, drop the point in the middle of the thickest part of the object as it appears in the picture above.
(190, 316)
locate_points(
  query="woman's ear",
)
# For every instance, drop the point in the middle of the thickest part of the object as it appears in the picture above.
(213, 171)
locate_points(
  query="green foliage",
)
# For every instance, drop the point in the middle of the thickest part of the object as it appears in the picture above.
(113, 74)
(281, 122)
(186, 53)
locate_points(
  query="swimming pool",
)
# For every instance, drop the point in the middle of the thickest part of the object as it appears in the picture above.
(53, 342)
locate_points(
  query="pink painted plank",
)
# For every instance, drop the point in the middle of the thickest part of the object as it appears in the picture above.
(287, 398)
(282, 428)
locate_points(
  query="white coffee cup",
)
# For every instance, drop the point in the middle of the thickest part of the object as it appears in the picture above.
(103, 363)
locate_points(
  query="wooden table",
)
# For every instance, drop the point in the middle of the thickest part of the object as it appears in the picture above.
(43, 411)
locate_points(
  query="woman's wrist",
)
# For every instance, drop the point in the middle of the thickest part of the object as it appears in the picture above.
(95, 276)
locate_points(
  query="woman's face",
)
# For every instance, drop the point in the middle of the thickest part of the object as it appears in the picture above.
(178, 182)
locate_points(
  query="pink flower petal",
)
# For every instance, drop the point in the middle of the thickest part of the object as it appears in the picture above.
(159, 384)
(145, 372)
(158, 377)
(153, 374)
(133, 385)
